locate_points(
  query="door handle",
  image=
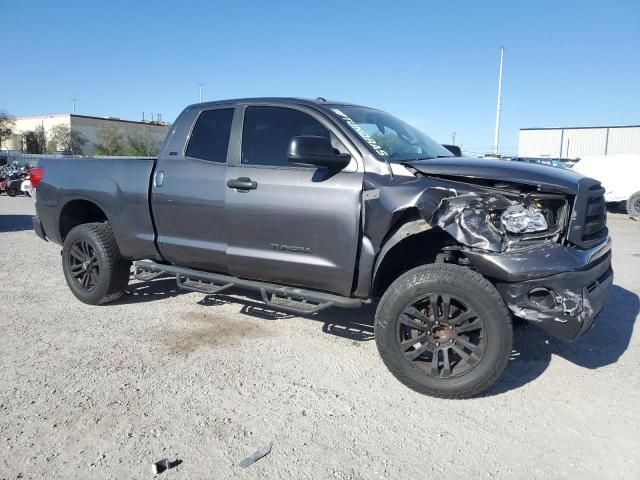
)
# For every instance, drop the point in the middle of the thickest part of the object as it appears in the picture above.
(242, 183)
(158, 178)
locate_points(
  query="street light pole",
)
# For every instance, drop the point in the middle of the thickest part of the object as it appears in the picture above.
(200, 89)
(496, 135)
(73, 100)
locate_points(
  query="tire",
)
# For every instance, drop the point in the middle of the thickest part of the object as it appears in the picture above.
(633, 205)
(13, 191)
(475, 335)
(93, 267)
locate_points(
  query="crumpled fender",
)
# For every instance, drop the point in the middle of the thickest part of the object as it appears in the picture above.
(466, 218)
(459, 209)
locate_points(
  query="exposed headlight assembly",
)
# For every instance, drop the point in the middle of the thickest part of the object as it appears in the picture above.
(521, 219)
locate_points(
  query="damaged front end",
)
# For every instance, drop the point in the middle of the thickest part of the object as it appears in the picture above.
(477, 220)
(558, 287)
(523, 238)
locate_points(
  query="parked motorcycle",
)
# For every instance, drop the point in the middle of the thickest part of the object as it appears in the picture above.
(13, 178)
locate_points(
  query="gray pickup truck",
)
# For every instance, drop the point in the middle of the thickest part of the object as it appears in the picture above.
(316, 204)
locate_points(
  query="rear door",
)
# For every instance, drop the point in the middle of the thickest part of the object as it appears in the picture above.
(189, 189)
(294, 224)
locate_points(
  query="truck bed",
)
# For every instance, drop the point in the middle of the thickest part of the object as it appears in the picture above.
(119, 186)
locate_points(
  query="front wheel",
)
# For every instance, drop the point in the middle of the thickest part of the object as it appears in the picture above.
(443, 330)
(633, 205)
(93, 267)
(13, 191)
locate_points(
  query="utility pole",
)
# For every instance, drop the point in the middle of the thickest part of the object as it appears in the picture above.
(496, 136)
(200, 90)
(73, 100)
(453, 138)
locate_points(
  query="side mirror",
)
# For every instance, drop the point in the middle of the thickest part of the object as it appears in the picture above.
(314, 150)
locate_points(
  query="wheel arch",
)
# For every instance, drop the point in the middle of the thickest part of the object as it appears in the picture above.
(79, 211)
(411, 243)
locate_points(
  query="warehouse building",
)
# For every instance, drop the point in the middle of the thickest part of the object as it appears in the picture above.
(85, 125)
(577, 142)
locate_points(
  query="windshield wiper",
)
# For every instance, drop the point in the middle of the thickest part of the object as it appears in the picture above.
(400, 160)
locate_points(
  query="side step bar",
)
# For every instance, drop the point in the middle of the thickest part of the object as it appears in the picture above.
(289, 299)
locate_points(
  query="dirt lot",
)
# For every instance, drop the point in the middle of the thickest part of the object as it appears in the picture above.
(102, 392)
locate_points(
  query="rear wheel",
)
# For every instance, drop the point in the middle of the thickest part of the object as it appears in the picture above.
(93, 267)
(443, 330)
(633, 205)
(13, 190)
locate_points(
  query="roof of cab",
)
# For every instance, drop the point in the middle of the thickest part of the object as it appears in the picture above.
(312, 102)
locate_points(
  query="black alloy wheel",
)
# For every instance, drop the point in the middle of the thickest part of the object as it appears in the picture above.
(441, 335)
(93, 267)
(444, 330)
(84, 265)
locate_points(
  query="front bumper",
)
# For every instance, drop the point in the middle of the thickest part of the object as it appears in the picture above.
(573, 292)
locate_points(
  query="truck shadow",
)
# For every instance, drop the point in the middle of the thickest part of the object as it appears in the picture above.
(603, 345)
(150, 291)
(15, 223)
(352, 324)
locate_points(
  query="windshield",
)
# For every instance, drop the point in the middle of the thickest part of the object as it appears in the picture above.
(388, 136)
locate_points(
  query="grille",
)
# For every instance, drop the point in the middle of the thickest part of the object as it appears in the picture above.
(588, 225)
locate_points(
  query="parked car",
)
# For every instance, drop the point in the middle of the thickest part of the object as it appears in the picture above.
(317, 204)
(620, 174)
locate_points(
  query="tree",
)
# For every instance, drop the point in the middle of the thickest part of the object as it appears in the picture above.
(7, 122)
(67, 140)
(35, 141)
(31, 142)
(141, 143)
(111, 141)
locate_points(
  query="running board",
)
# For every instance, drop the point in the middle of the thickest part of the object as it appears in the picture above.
(290, 299)
(144, 275)
(195, 285)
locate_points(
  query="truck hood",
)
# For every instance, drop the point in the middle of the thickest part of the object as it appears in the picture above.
(463, 169)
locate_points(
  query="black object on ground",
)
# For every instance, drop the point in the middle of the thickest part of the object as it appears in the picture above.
(164, 464)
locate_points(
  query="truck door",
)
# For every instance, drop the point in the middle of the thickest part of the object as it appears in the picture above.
(288, 223)
(188, 192)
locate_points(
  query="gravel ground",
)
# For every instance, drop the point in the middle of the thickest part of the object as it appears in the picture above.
(103, 392)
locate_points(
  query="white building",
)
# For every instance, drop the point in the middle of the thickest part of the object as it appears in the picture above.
(577, 142)
(87, 126)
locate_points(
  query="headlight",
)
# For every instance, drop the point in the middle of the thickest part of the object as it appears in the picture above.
(521, 219)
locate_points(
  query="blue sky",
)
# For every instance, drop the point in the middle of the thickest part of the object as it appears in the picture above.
(434, 64)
